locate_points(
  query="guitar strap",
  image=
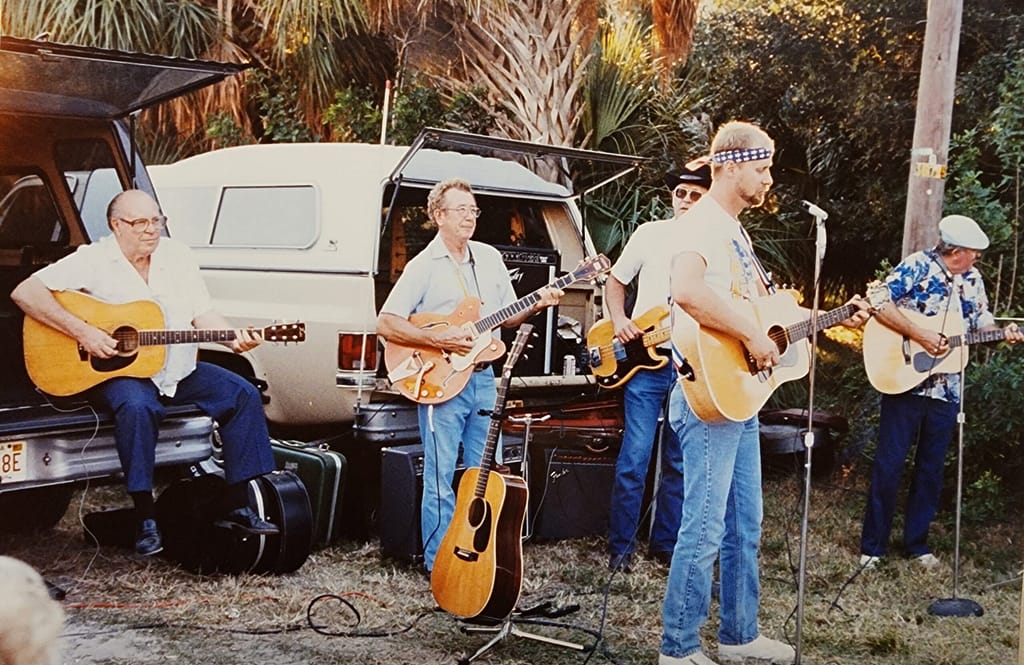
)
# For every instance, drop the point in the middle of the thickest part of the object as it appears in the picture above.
(458, 275)
(765, 276)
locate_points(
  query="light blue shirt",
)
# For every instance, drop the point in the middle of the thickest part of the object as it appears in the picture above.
(433, 282)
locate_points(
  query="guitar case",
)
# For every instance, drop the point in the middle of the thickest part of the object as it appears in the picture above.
(188, 509)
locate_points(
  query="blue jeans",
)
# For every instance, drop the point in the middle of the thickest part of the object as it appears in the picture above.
(721, 517)
(903, 420)
(453, 422)
(226, 397)
(645, 402)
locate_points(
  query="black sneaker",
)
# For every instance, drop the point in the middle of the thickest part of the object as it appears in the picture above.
(247, 521)
(664, 557)
(147, 540)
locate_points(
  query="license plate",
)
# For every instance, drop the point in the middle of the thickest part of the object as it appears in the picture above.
(13, 461)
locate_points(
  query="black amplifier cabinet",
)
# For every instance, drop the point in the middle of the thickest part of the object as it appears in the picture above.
(531, 269)
(570, 491)
(401, 482)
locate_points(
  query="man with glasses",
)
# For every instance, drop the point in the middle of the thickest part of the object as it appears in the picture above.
(136, 262)
(939, 282)
(451, 268)
(646, 257)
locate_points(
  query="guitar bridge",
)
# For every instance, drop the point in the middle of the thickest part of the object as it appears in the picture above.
(466, 555)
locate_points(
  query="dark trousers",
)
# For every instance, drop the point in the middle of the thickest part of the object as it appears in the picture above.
(225, 396)
(905, 420)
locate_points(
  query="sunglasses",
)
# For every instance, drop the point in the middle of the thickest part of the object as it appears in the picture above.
(686, 193)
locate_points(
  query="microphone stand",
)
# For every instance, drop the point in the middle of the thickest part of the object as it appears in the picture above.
(958, 607)
(819, 255)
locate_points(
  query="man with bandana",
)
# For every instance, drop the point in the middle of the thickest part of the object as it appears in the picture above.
(646, 257)
(722, 503)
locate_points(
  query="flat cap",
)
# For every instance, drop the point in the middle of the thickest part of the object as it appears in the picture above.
(961, 231)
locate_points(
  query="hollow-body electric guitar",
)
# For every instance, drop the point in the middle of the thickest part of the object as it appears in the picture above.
(895, 363)
(613, 363)
(429, 375)
(478, 570)
(58, 365)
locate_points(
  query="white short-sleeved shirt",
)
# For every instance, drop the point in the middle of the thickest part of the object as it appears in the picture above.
(648, 253)
(433, 282)
(102, 271)
(732, 271)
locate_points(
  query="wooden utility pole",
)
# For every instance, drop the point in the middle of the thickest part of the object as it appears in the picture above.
(929, 157)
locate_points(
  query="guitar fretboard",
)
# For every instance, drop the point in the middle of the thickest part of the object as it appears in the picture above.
(194, 336)
(982, 337)
(826, 320)
(492, 321)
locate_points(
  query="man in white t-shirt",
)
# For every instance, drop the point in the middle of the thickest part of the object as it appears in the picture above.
(646, 257)
(136, 262)
(722, 503)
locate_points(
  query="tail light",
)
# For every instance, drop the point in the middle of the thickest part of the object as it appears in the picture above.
(357, 351)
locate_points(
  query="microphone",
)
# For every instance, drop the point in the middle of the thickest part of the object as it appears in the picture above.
(814, 210)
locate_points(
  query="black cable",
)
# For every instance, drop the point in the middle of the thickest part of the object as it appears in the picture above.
(321, 630)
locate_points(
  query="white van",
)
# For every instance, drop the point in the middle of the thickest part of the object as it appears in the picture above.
(320, 232)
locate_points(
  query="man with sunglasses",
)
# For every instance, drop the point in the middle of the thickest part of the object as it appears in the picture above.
(646, 257)
(137, 262)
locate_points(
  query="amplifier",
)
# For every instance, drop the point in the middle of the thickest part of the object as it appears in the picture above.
(401, 482)
(531, 269)
(570, 492)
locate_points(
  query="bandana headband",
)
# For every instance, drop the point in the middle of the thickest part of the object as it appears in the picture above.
(741, 155)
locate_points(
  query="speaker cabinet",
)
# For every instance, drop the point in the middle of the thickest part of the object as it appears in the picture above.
(401, 482)
(531, 269)
(570, 492)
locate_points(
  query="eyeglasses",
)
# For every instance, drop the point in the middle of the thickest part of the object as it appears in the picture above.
(686, 193)
(464, 210)
(143, 224)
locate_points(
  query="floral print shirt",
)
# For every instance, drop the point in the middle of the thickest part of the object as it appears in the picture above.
(922, 282)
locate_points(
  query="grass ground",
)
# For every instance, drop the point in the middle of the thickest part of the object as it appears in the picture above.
(122, 610)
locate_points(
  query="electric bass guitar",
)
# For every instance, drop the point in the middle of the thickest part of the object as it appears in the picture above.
(58, 365)
(429, 375)
(613, 363)
(895, 363)
(721, 380)
(478, 570)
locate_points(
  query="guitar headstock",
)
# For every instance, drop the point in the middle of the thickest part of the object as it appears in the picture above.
(877, 295)
(519, 345)
(591, 268)
(285, 332)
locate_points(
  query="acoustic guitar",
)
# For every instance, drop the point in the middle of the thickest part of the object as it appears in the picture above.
(895, 363)
(721, 380)
(478, 570)
(429, 375)
(58, 365)
(613, 363)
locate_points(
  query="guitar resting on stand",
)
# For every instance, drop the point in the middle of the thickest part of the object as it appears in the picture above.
(478, 571)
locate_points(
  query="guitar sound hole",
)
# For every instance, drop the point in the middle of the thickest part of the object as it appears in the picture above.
(127, 340)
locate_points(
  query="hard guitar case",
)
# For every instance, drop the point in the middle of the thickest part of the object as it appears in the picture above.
(188, 508)
(322, 471)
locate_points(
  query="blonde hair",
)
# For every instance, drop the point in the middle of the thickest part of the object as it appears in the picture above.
(739, 135)
(30, 621)
(435, 199)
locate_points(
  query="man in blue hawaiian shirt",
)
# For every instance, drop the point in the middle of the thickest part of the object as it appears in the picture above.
(936, 282)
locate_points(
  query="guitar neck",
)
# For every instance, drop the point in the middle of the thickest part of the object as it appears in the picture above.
(658, 336)
(826, 320)
(489, 323)
(982, 337)
(493, 431)
(191, 336)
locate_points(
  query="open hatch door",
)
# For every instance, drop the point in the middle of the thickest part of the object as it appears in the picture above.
(50, 79)
(580, 171)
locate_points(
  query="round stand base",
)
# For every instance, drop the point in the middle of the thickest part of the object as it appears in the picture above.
(955, 607)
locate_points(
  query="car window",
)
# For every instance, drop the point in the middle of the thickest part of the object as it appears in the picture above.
(88, 166)
(266, 217)
(28, 215)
